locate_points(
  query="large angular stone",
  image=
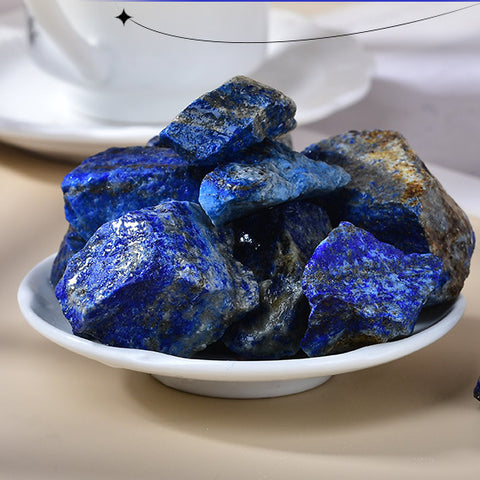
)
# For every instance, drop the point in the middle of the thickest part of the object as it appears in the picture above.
(394, 196)
(107, 185)
(265, 175)
(159, 279)
(276, 244)
(222, 122)
(363, 291)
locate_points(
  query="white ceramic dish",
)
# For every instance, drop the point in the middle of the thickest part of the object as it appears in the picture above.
(35, 112)
(223, 378)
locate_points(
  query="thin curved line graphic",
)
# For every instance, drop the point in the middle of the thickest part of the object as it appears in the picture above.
(310, 39)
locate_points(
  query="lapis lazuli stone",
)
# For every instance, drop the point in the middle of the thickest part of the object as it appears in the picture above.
(229, 119)
(71, 244)
(160, 279)
(118, 180)
(476, 390)
(363, 291)
(265, 175)
(276, 244)
(394, 196)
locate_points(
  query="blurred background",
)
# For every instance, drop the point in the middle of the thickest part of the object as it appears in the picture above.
(423, 79)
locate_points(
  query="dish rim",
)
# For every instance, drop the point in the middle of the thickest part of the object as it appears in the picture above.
(35, 290)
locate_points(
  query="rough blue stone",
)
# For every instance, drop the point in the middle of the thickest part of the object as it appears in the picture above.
(160, 279)
(363, 291)
(266, 175)
(153, 142)
(119, 180)
(276, 244)
(220, 123)
(476, 390)
(394, 196)
(72, 243)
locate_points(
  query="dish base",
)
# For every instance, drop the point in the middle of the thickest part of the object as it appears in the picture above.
(242, 390)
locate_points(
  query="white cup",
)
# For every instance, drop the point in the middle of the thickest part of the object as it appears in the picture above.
(126, 70)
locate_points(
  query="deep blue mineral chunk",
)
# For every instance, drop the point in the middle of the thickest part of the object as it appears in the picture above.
(363, 291)
(118, 180)
(276, 244)
(71, 244)
(394, 196)
(476, 390)
(159, 279)
(220, 123)
(265, 175)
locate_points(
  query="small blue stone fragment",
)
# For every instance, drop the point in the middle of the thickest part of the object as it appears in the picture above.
(153, 142)
(394, 196)
(363, 291)
(267, 174)
(476, 391)
(276, 244)
(107, 185)
(71, 244)
(222, 122)
(160, 279)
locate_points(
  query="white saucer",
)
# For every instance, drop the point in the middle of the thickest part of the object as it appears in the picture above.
(321, 77)
(224, 378)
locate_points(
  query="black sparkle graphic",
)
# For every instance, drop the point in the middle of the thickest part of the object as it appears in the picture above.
(124, 17)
